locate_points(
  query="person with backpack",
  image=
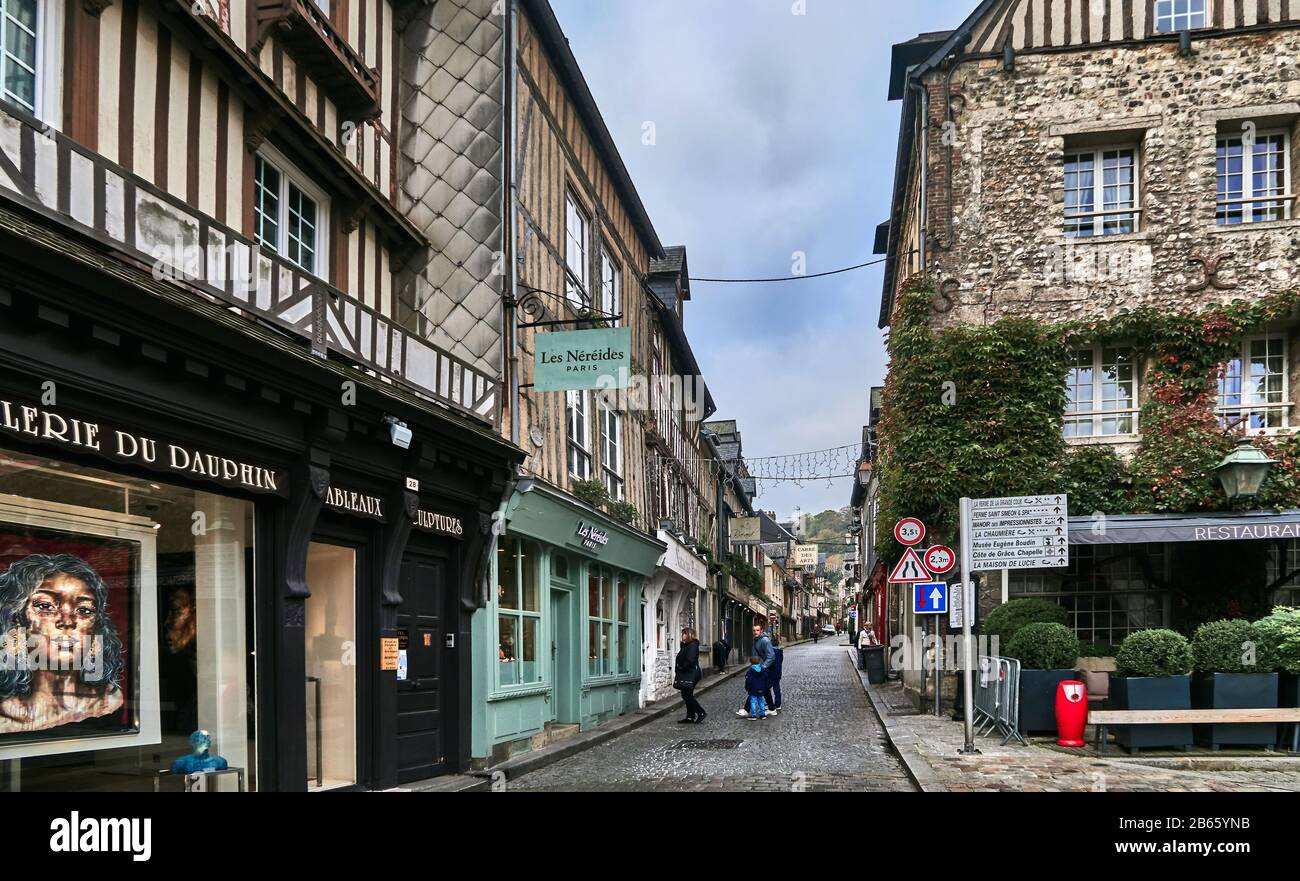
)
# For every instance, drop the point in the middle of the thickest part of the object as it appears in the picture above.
(766, 655)
(774, 676)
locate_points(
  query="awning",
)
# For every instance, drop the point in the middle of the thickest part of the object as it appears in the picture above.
(1156, 528)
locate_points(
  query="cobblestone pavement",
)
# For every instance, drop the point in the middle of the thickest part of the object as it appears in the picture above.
(1036, 768)
(826, 738)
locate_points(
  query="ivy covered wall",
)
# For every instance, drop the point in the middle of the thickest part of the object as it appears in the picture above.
(977, 410)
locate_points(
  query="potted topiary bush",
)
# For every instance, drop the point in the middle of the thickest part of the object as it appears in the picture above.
(1282, 632)
(1152, 673)
(1005, 620)
(1234, 671)
(1047, 653)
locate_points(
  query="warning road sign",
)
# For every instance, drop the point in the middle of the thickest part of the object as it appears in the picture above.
(910, 569)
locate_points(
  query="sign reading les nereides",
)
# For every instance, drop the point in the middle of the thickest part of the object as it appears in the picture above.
(573, 360)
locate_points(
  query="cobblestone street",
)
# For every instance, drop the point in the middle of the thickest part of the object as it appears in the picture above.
(826, 738)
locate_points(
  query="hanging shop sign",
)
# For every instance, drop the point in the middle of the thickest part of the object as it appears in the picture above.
(573, 360)
(805, 555)
(124, 445)
(355, 503)
(439, 524)
(592, 536)
(745, 530)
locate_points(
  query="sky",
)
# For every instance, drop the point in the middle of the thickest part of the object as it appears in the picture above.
(772, 134)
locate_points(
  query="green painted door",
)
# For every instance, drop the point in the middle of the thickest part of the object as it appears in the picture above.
(564, 708)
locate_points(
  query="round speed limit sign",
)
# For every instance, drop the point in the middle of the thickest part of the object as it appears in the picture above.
(940, 559)
(909, 531)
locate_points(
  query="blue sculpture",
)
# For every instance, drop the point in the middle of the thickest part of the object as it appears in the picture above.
(200, 759)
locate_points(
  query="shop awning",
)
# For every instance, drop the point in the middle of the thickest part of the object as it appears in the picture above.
(1156, 528)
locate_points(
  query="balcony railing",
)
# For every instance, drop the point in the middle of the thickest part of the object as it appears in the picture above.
(45, 171)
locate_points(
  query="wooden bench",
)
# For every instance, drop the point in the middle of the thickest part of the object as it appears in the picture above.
(1102, 719)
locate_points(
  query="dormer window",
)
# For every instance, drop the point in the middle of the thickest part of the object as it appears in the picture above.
(1173, 16)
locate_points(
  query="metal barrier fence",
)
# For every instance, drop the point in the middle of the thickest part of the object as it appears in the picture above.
(997, 697)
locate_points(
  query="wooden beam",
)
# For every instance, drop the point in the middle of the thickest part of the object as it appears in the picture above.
(1174, 717)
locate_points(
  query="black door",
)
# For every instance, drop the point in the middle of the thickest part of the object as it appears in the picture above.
(422, 696)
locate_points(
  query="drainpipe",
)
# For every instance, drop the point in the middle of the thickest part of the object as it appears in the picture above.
(511, 213)
(924, 123)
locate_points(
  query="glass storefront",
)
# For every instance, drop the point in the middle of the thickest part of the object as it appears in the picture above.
(331, 625)
(127, 612)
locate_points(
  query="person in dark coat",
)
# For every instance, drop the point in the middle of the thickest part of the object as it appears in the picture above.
(755, 686)
(687, 675)
(721, 649)
(774, 675)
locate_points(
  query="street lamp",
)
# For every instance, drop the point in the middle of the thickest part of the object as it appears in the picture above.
(1243, 470)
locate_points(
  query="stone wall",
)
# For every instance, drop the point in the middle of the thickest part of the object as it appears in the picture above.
(1005, 252)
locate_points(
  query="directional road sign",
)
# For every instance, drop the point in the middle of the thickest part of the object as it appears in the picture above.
(930, 598)
(1023, 532)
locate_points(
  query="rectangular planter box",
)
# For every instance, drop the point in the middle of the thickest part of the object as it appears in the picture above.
(1038, 698)
(1151, 693)
(1236, 691)
(1288, 690)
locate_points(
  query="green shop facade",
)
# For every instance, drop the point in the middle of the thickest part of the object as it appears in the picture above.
(559, 640)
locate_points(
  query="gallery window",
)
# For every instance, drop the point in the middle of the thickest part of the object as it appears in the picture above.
(1101, 393)
(579, 433)
(1253, 386)
(1253, 178)
(289, 214)
(611, 450)
(134, 600)
(330, 621)
(519, 614)
(1173, 16)
(577, 230)
(1101, 192)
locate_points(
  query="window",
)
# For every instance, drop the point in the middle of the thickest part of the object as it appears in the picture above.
(288, 214)
(1282, 569)
(576, 231)
(519, 614)
(1180, 15)
(1250, 172)
(1253, 387)
(1101, 393)
(611, 451)
(579, 435)
(608, 622)
(611, 293)
(1101, 192)
(19, 42)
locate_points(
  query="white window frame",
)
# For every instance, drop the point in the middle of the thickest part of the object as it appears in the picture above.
(1100, 215)
(1165, 12)
(1249, 202)
(48, 95)
(1250, 405)
(1099, 412)
(290, 174)
(611, 284)
(577, 249)
(611, 449)
(578, 434)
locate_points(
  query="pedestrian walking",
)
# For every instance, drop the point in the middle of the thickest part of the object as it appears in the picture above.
(774, 675)
(721, 650)
(866, 637)
(817, 634)
(766, 655)
(755, 686)
(687, 674)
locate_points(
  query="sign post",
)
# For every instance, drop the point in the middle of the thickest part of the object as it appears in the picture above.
(967, 656)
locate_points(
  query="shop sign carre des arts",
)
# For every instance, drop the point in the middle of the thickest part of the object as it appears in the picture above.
(121, 445)
(574, 360)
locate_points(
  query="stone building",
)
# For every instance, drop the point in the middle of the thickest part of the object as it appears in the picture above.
(1064, 161)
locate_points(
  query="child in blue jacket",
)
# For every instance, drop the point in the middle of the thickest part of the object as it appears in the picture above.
(756, 687)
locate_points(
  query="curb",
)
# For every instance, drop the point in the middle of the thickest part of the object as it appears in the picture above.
(917, 768)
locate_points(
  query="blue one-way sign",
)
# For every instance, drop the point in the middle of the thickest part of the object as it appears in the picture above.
(930, 598)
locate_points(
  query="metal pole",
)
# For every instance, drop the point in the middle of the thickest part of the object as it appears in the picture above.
(925, 637)
(938, 666)
(967, 615)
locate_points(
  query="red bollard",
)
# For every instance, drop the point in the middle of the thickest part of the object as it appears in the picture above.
(1071, 713)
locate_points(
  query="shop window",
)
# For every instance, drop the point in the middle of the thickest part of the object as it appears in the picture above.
(624, 627)
(1253, 178)
(602, 649)
(1253, 386)
(1282, 572)
(1101, 192)
(289, 213)
(331, 633)
(1101, 393)
(134, 600)
(1173, 16)
(518, 614)
(1108, 591)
